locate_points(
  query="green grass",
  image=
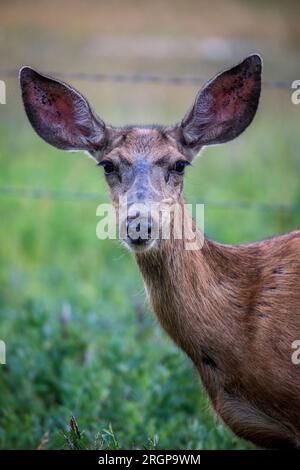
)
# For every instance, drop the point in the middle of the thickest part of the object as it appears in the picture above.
(80, 338)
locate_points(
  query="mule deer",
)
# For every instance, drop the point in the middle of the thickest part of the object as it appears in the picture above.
(234, 310)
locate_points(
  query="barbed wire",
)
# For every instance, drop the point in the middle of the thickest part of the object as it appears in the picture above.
(36, 193)
(136, 78)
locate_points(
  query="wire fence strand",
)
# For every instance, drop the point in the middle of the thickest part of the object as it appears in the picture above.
(35, 193)
(137, 78)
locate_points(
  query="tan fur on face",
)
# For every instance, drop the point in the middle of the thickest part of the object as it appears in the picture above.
(144, 143)
(153, 146)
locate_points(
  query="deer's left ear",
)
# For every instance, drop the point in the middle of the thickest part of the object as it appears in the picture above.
(60, 114)
(223, 108)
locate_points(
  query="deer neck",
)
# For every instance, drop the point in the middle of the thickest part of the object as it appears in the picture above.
(186, 291)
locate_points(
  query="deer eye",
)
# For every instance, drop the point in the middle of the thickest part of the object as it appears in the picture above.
(180, 166)
(108, 166)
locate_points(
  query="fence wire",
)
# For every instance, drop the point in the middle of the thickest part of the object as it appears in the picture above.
(33, 193)
(137, 78)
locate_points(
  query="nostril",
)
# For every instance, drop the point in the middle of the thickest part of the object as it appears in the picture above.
(129, 224)
(133, 227)
(138, 230)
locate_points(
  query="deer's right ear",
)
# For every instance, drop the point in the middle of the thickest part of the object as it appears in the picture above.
(60, 115)
(224, 107)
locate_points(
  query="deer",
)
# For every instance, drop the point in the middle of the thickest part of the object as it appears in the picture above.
(234, 310)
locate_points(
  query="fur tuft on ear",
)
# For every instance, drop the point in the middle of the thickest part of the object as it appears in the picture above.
(224, 107)
(59, 114)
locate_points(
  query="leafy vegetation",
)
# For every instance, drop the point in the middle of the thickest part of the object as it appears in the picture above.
(87, 364)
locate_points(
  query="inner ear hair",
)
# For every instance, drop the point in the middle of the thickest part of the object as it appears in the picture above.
(60, 114)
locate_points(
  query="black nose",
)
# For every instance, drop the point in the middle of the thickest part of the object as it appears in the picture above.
(139, 230)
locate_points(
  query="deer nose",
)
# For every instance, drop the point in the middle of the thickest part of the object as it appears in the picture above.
(139, 229)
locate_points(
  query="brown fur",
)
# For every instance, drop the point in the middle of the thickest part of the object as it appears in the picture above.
(234, 310)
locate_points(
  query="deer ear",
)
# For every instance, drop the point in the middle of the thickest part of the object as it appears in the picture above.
(224, 107)
(59, 114)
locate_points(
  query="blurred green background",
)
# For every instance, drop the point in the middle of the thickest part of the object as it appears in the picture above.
(80, 338)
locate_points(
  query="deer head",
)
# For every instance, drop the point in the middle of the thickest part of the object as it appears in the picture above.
(143, 164)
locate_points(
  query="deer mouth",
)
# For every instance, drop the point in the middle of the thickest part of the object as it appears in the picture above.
(139, 244)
